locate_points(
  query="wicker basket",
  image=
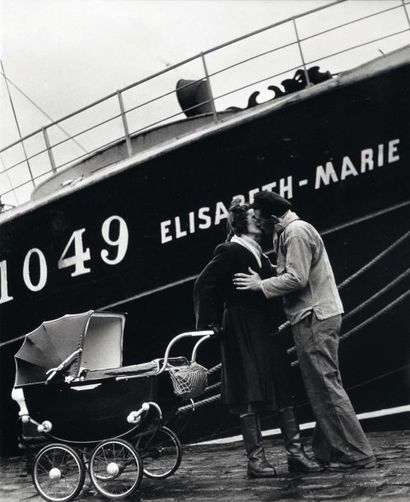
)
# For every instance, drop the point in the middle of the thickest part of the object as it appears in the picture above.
(189, 381)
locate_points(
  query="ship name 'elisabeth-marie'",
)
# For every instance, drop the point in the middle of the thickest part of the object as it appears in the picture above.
(331, 172)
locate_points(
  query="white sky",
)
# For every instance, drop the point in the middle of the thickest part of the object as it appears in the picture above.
(65, 54)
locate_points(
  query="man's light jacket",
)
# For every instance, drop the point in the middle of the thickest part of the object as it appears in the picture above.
(305, 276)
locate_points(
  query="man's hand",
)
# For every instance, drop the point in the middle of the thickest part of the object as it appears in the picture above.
(250, 281)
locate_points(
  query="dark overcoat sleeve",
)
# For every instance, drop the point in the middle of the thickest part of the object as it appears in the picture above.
(208, 288)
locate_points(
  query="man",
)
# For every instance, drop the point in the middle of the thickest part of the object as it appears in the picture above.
(313, 307)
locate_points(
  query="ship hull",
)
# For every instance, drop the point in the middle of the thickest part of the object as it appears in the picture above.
(134, 240)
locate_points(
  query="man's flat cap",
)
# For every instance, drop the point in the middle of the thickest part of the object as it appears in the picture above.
(271, 203)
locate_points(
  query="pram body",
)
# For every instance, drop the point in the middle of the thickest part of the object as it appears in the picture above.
(71, 385)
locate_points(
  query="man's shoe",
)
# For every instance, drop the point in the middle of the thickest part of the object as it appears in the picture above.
(324, 464)
(352, 466)
(259, 467)
(303, 464)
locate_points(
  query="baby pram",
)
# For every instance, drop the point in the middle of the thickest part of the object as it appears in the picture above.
(94, 414)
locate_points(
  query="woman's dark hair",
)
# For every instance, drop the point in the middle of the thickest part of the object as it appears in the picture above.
(237, 219)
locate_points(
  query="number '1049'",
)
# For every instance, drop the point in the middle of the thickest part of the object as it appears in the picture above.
(114, 231)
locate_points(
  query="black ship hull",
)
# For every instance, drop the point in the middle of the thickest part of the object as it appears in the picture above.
(134, 239)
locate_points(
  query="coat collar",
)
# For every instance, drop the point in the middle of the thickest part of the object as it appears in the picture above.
(283, 221)
(250, 245)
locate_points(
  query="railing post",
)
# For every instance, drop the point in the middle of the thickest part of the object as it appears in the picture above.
(301, 53)
(49, 150)
(214, 112)
(125, 124)
(405, 11)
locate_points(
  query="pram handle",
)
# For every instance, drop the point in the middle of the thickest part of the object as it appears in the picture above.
(134, 416)
(205, 334)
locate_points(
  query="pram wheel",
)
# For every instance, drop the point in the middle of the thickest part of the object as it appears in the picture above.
(115, 468)
(58, 473)
(161, 454)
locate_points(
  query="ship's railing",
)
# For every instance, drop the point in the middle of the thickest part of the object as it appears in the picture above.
(290, 45)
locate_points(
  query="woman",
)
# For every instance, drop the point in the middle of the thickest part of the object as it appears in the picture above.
(255, 372)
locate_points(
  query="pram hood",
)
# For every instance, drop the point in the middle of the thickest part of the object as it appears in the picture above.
(89, 340)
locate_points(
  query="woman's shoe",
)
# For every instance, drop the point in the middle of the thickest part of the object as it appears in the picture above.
(298, 461)
(258, 466)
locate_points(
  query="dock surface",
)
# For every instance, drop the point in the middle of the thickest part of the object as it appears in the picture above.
(218, 473)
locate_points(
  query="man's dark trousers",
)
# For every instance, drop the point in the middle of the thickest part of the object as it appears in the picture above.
(338, 435)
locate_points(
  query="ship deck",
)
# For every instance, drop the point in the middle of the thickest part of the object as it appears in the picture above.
(217, 473)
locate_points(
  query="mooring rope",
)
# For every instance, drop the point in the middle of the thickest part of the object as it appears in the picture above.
(360, 307)
(376, 295)
(386, 309)
(375, 260)
(368, 301)
(217, 397)
(214, 368)
(212, 387)
(378, 377)
(359, 272)
(375, 316)
(198, 404)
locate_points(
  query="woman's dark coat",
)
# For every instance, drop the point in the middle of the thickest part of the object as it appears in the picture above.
(255, 370)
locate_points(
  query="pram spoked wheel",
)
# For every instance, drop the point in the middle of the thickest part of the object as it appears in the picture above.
(161, 453)
(115, 468)
(58, 473)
